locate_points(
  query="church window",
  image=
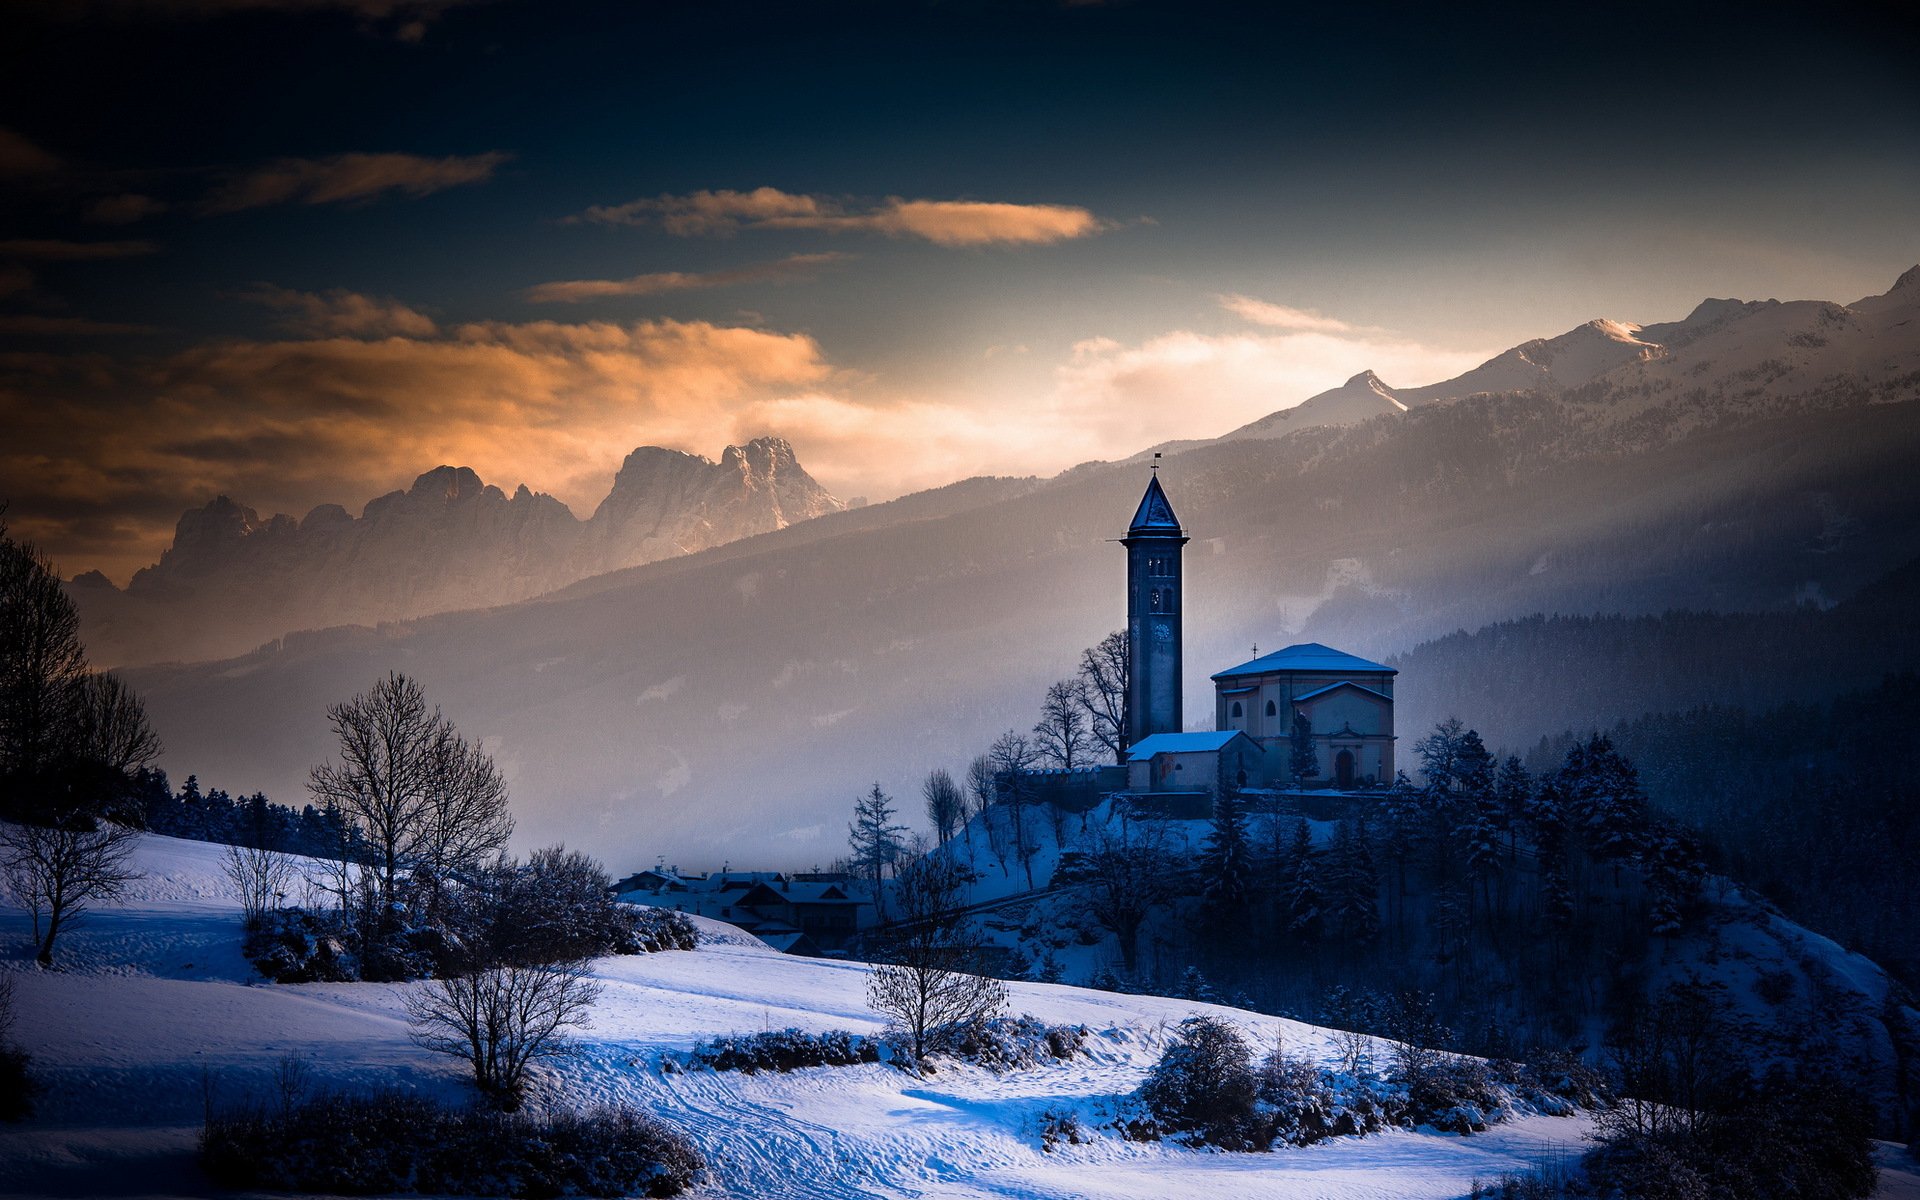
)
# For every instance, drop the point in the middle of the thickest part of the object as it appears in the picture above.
(1236, 708)
(1271, 710)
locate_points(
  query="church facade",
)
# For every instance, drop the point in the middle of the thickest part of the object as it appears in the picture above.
(1344, 701)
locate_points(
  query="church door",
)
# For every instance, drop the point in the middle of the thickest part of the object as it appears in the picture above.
(1343, 770)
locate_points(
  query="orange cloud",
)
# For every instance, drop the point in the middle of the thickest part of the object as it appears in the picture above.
(349, 177)
(798, 266)
(943, 222)
(340, 313)
(1279, 316)
(117, 451)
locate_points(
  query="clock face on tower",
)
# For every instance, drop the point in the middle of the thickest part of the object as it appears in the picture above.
(1162, 632)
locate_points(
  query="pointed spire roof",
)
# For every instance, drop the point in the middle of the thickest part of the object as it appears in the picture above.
(1155, 514)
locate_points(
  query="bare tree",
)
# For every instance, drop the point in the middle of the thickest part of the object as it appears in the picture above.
(112, 725)
(501, 1020)
(946, 804)
(259, 877)
(980, 794)
(1126, 879)
(1060, 736)
(58, 872)
(419, 793)
(1010, 758)
(1105, 676)
(467, 821)
(930, 987)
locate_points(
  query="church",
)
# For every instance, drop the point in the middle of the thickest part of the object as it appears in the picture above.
(1339, 703)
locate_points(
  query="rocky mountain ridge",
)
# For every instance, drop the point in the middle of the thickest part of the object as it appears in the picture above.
(735, 701)
(232, 579)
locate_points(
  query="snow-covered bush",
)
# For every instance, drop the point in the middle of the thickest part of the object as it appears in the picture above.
(643, 930)
(1302, 1103)
(394, 1143)
(1554, 1081)
(1012, 1043)
(1060, 1126)
(1203, 1087)
(293, 945)
(784, 1050)
(1454, 1094)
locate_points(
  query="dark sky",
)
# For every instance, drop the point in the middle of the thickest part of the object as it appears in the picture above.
(295, 251)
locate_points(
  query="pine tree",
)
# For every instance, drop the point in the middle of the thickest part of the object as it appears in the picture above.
(1512, 790)
(1226, 859)
(1355, 887)
(875, 841)
(1302, 759)
(1303, 903)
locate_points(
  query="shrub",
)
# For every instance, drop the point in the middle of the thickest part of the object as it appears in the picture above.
(784, 1050)
(1302, 1104)
(642, 930)
(393, 1143)
(1203, 1086)
(1058, 1126)
(1784, 1139)
(1011, 1043)
(1454, 1095)
(292, 945)
(1555, 1081)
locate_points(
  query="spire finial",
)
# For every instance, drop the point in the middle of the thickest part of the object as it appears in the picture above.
(1155, 464)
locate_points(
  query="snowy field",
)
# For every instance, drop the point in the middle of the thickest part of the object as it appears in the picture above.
(155, 1006)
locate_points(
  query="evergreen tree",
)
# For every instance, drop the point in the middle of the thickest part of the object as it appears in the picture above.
(875, 841)
(1608, 806)
(1512, 790)
(1303, 905)
(1302, 759)
(1226, 865)
(1352, 884)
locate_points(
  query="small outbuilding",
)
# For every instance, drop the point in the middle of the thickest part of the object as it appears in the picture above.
(1193, 762)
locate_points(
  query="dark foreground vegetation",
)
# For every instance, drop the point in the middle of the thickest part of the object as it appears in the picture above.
(393, 1143)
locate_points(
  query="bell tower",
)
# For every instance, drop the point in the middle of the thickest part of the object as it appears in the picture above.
(1153, 543)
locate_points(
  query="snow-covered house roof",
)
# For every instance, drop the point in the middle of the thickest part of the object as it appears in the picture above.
(1307, 657)
(1198, 742)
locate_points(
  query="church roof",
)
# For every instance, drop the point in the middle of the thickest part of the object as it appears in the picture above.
(1307, 657)
(1199, 741)
(1333, 687)
(1155, 514)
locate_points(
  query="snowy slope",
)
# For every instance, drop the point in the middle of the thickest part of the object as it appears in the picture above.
(156, 995)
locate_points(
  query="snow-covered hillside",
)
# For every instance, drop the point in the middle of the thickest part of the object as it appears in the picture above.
(155, 998)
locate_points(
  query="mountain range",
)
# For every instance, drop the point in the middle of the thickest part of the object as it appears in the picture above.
(733, 701)
(231, 580)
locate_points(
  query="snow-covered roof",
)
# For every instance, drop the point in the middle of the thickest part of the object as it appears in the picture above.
(1310, 657)
(1181, 743)
(1344, 683)
(797, 893)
